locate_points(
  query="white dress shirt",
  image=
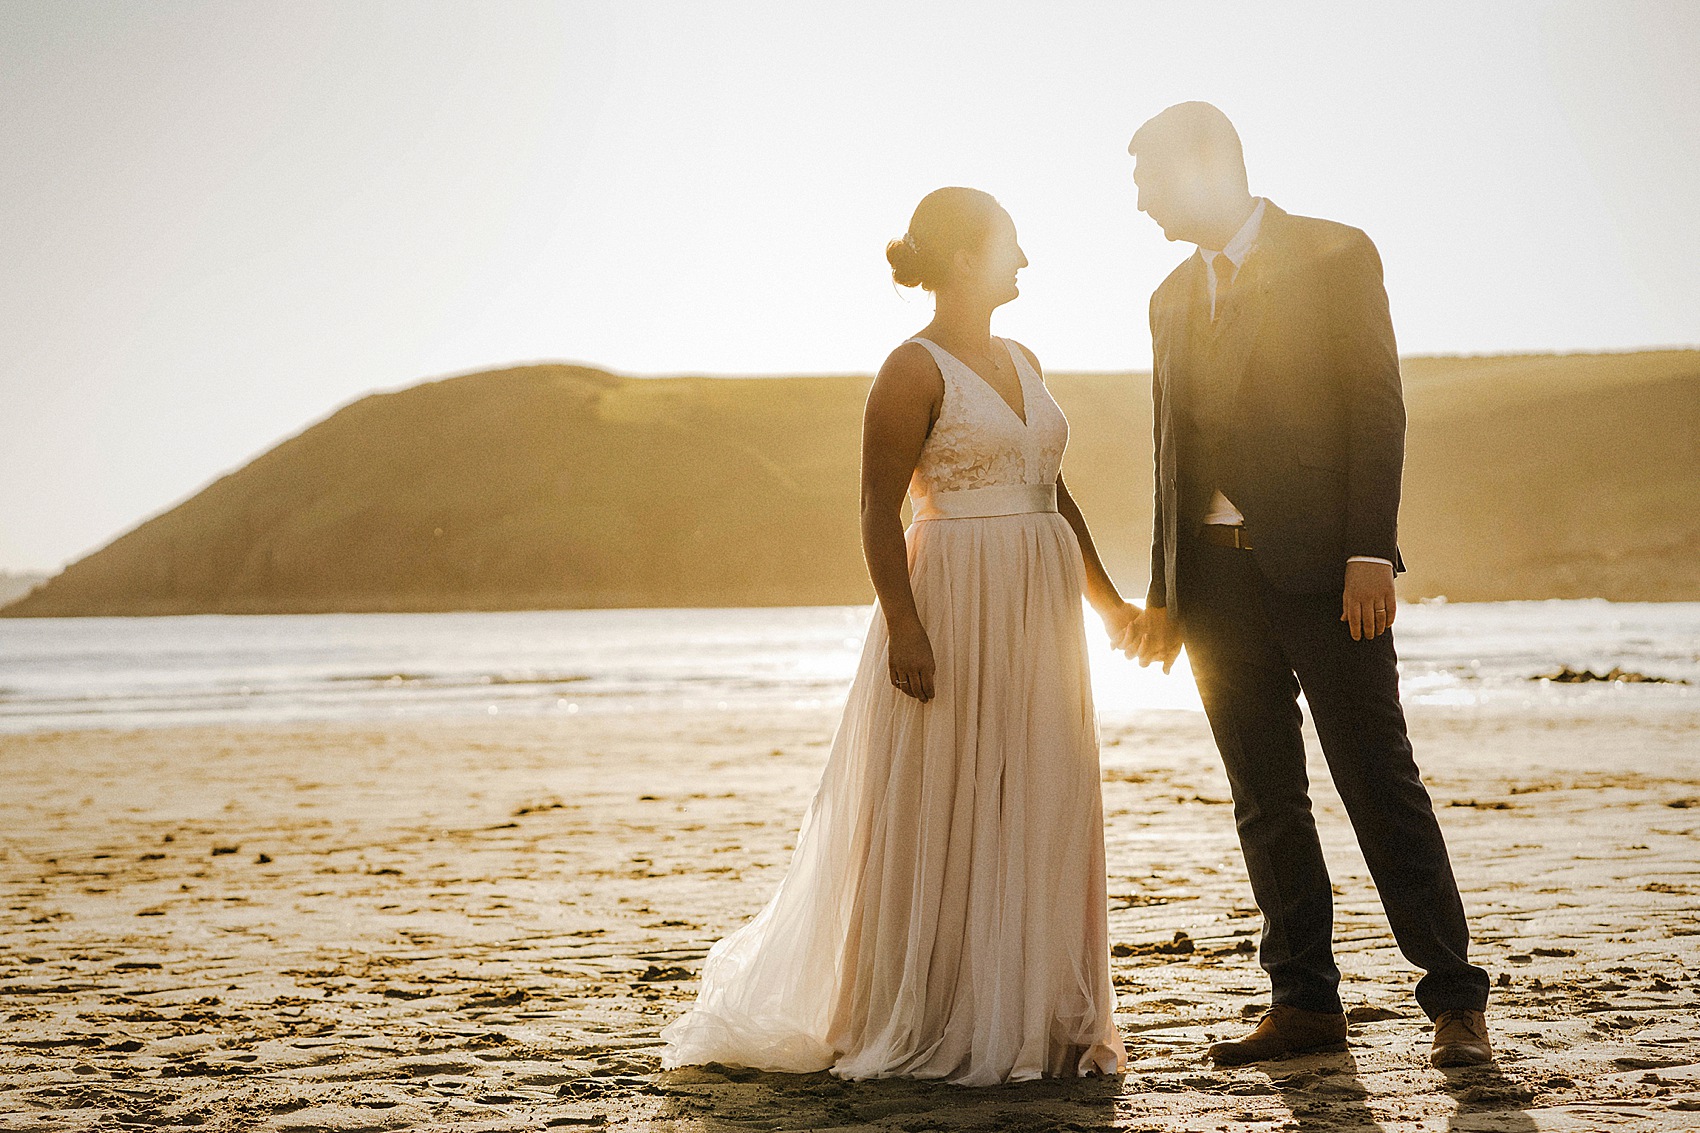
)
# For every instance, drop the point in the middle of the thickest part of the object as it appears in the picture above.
(1221, 510)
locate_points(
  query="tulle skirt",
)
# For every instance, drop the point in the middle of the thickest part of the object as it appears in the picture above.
(944, 914)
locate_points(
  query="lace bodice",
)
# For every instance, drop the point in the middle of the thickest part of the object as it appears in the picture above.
(978, 441)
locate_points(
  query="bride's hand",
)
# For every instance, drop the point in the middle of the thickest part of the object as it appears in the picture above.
(1121, 622)
(911, 663)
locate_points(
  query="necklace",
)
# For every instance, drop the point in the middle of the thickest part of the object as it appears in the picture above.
(990, 359)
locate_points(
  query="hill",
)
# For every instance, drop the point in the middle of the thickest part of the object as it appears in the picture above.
(557, 486)
(15, 584)
(1554, 477)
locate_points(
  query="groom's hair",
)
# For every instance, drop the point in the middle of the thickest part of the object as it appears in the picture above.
(1196, 134)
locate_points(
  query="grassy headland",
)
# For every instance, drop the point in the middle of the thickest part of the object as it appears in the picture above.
(1537, 476)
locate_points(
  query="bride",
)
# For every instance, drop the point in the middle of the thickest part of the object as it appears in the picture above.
(944, 914)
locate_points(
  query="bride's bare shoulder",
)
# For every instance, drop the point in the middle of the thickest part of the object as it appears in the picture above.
(911, 368)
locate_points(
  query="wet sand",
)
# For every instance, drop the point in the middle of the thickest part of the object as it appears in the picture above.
(483, 925)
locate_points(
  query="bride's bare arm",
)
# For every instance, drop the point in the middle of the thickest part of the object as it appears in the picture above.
(901, 409)
(1117, 613)
(1101, 591)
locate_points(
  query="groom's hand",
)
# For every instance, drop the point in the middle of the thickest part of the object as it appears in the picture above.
(1159, 638)
(1368, 605)
(1121, 622)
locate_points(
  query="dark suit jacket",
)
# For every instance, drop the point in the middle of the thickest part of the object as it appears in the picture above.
(1315, 440)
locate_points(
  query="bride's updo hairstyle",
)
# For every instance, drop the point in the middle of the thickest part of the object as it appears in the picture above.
(946, 221)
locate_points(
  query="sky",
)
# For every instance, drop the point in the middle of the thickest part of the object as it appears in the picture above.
(223, 221)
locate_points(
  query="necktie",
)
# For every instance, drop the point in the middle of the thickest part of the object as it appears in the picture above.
(1224, 279)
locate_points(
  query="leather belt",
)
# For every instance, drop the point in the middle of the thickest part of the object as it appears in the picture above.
(1224, 535)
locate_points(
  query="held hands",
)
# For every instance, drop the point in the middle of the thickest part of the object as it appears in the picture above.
(1152, 638)
(1121, 622)
(910, 662)
(1368, 605)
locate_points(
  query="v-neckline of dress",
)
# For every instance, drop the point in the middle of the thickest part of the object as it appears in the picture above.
(1020, 415)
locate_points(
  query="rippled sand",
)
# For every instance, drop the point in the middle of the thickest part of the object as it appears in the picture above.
(482, 925)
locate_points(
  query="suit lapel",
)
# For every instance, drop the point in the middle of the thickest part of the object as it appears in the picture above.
(1242, 321)
(1239, 321)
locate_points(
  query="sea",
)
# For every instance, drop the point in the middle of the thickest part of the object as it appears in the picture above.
(61, 673)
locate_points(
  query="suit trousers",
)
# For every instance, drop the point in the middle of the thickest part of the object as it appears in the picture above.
(1252, 650)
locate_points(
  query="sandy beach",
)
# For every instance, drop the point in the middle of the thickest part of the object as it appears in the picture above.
(482, 924)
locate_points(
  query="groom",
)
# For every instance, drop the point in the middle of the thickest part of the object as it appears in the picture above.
(1280, 438)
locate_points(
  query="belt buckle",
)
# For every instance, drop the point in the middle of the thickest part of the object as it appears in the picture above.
(1220, 535)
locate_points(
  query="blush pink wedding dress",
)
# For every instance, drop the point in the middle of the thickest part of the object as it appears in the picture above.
(944, 914)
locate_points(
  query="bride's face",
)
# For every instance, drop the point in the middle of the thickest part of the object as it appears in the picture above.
(990, 272)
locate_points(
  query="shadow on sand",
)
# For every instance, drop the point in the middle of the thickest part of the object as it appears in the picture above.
(724, 1098)
(1323, 1093)
(1488, 1101)
(1326, 1093)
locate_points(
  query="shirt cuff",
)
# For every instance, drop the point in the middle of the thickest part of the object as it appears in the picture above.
(1369, 559)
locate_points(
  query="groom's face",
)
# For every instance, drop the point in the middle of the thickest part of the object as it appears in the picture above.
(1171, 194)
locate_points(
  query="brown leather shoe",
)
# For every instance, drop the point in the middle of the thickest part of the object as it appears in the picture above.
(1461, 1039)
(1282, 1032)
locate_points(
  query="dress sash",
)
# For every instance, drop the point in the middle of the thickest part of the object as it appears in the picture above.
(981, 503)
